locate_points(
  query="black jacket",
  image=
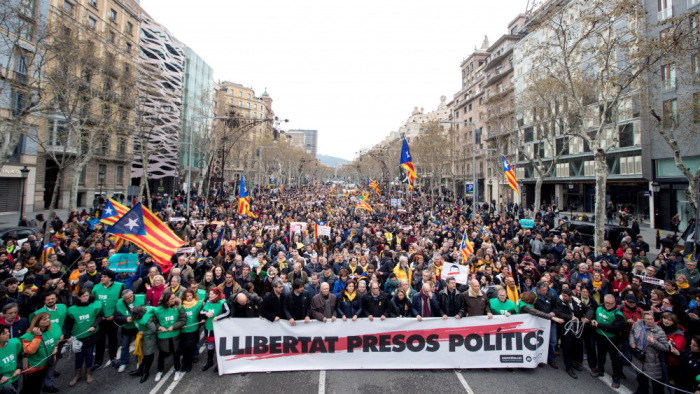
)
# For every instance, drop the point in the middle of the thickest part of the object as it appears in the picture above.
(272, 306)
(444, 300)
(289, 305)
(375, 307)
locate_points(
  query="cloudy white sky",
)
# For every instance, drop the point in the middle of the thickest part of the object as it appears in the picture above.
(352, 70)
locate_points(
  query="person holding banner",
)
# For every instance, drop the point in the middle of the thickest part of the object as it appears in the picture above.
(215, 308)
(451, 300)
(123, 318)
(298, 304)
(190, 332)
(375, 303)
(83, 323)
(349, 302)
(323, 305)
(170, 318)
(475, 301)
(425, 303)
(107, 292)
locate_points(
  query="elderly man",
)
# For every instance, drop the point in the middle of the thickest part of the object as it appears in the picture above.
(475, 301)
(608, 323)
(582, 275)
(298, 273)
(425, 304)
(323, 305)
(501, 305)
(691, 272)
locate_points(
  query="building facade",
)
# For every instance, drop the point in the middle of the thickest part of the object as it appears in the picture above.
(308, 140)
(162, 58)
(197, 104)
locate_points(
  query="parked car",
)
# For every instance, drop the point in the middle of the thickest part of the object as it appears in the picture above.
(17, 232)
(587, 230)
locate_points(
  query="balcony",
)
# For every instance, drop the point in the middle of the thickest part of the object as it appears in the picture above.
(58, 149)
(666, 13)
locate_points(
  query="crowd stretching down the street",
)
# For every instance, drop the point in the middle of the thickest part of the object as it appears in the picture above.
(59, 296)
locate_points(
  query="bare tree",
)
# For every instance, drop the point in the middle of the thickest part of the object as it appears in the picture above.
(23, 55)
(593, 51)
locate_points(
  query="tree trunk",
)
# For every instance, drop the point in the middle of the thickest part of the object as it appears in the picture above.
(75, 183)
(538, 193)
(54, 202)
(601, 178)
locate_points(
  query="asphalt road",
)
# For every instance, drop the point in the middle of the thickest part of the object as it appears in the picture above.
(539, 380)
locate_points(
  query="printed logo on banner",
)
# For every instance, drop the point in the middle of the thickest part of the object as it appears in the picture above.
(512, 358)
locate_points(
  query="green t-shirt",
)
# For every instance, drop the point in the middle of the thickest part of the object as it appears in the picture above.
(141, 324)
(216, 308)
(192, 317)
(521, 303)
(167, 317)
(500, 308)
(139, 300)
(108, 296)
(8, 359)
(202, 295)
(83, 318)
(58, 317)
(49, 340)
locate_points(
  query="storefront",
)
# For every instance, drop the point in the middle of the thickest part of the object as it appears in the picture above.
(11, 182)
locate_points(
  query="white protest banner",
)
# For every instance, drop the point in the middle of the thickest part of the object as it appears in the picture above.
(199, 223)
(176, 219)
(272, 227)
(653, 281)
(324, 230)
(395, 202)
(459, 272)
(406, 227)
(185, 250)
(296, 228)
(256, 345)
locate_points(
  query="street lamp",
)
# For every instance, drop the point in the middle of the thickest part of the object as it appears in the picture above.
(24, 172)
(101, 177)
(571, 208)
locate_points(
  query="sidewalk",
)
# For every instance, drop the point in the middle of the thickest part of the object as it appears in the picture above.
(10, 219)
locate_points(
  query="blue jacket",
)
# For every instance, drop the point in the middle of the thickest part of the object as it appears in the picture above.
(349, 308)
(339, 287)
(417, 307)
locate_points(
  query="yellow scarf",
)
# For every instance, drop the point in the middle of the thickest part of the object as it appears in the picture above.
(350, 296)
(189, 304)
(513, 294)
(683, 286)
(597, 284)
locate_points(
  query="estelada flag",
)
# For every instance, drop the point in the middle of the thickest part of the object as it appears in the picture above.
(466, 248)
(362, 204)
(510, 174)
(244, 201)
(147, 231)
(113, 211)
(407, 165)
(374, 185)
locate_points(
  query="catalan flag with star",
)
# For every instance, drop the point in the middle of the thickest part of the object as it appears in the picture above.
(375, 186)
(244, 200)
(407, 165)
(362, 204)
(113, 211)
(510, 174)
(466, 248)
(147, 231)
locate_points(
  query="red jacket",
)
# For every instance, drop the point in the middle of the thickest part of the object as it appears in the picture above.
(678, 339)
(153, 295)
(629, 314)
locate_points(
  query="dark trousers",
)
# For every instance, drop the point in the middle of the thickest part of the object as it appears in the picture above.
(571, 350)
(605, 346)
(189, 342)
(163, 355)
(32, 382)
(589, 339)
(107, 332)
(643, 385)
(147, 362)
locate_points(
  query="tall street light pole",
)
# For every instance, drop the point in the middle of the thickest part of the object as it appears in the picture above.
(24, 172)
(260, 152)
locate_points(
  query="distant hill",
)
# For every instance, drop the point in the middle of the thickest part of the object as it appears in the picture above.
(331, 161)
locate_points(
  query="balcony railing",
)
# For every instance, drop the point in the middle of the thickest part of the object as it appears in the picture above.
(665, 13)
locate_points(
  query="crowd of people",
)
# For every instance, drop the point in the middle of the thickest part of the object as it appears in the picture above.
(58, 292)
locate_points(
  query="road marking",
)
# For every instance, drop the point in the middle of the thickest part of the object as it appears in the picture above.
(174, 384)
(608, 380)
(162, 381)
(322, 382)
(464, 382)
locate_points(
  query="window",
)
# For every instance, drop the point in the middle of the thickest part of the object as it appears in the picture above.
(25, 29)
(248, 96)
(129, 48)
(665, 9)
(670, 113)
(628, 135)
(112, 36)
(668, 76)
(21, 70)
(27, 7)
(112, 15)
(230, 101)
(121, 148)
(93, 3)
(255, 106)
(240, 103)
(248, 104)
(92, 23)
(68, 8)
(129, 28)
(120, 175)
(104, 145)
(696, 107)
(695, 65)
(19, 103)
(240, 94)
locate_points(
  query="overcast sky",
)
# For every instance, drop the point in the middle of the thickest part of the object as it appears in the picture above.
(352, 70)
